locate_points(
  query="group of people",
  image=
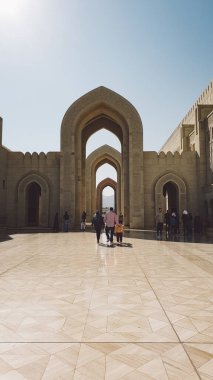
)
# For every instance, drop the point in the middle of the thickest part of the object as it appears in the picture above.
(66, 222)
(172, 223)
(112, 223)
(66, 219)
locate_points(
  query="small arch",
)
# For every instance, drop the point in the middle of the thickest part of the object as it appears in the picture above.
(33, 186)
(104, 154)
(169, 183)
(101, 186)
(170, 193)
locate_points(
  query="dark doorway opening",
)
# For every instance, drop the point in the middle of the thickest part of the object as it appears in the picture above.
(170, 192)
(33, 198)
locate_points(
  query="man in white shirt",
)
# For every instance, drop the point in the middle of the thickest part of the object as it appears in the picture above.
(110, 219)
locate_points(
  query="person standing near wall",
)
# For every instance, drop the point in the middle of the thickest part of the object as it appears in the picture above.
(66, 221)
(83, 221)
(167, 222)
(159, 223)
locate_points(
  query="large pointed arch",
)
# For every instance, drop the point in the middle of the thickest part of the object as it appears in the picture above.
(102, 108)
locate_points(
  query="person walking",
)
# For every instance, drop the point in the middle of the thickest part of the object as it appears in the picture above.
(119, 228)
(110, 220)
(159, 223)
(97, 223)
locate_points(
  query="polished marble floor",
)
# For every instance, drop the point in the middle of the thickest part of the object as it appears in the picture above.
(72, 309)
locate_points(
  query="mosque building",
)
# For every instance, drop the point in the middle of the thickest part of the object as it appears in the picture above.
(33, 187)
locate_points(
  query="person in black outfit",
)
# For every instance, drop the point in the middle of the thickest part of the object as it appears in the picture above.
(83, 221)
(66, 221)
(97, 222)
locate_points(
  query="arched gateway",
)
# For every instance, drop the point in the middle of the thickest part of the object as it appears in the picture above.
(34, 187)
(98, 109)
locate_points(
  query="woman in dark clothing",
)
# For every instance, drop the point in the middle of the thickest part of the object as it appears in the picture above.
(97, 222)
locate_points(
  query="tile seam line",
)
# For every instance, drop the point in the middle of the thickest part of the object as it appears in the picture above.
(169, 320)
(102, 342)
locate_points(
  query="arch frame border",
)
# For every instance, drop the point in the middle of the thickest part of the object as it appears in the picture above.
(44, 207)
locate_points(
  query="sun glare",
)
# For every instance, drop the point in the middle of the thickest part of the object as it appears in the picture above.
(11, 9)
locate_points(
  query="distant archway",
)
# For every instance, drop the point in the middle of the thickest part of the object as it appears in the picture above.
(171, 195)
(101, 186)
(102, 155)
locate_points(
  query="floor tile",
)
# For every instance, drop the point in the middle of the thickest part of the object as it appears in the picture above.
(72, 309)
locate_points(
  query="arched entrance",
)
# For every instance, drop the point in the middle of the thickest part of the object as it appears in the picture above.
(33, 194)
(171, 195)
(33, 201)
(102, 108)
(169, 191)
(101, 186)
(102, 155)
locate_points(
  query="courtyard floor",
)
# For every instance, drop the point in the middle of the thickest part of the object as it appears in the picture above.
(72, 309)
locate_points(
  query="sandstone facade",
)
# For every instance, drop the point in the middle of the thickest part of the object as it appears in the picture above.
(36, 186)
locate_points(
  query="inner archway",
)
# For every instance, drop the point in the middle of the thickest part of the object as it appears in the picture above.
(108, 198)
(33, 193)
(106, 182)
(105, 155)
(171, 196)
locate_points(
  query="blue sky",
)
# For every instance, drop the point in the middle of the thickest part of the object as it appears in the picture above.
(158, 54)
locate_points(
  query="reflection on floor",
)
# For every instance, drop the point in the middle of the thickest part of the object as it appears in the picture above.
(72, 309)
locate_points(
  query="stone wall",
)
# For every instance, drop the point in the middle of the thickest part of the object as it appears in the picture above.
(18, 167)
(173, 143)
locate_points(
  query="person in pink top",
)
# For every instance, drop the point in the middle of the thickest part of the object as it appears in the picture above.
(110, 220)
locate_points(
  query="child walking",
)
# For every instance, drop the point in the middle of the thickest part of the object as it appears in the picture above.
(119, 229)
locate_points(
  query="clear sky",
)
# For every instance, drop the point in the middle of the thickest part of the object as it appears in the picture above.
(158, 54)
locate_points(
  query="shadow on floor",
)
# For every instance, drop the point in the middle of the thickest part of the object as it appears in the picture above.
(5, 237)
(115, 244)
(151, 235)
